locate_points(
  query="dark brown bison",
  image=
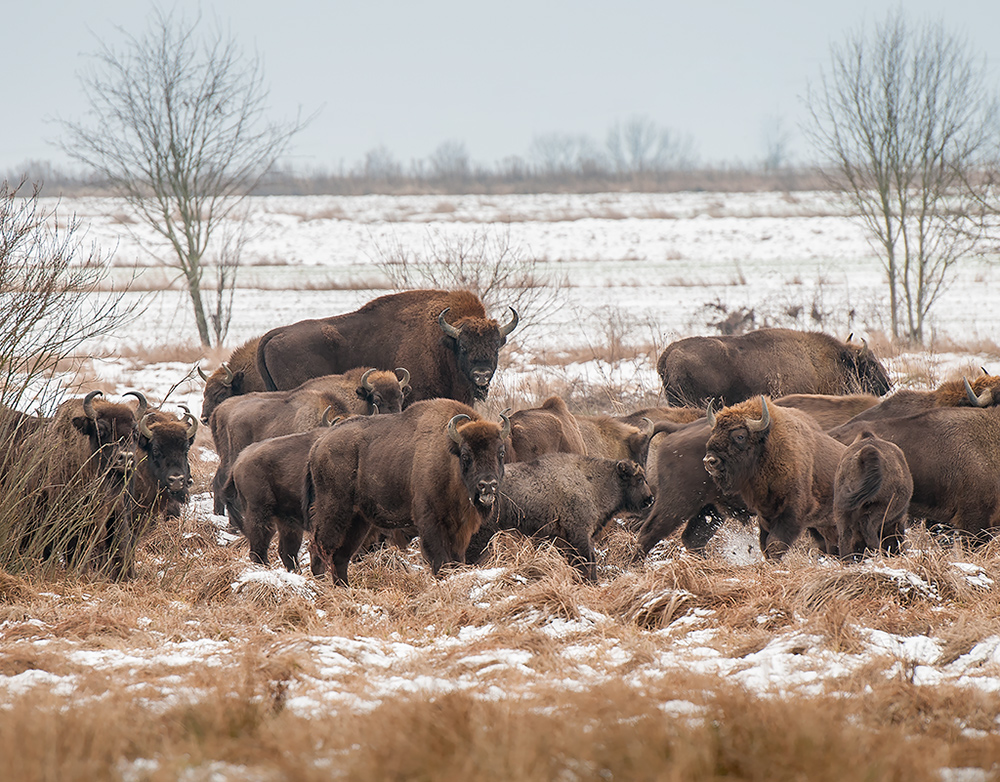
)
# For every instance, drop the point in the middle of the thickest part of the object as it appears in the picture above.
(443, 337)
(871, 496)
(436, 467)
(250, 418)
(566, 498)
(829, 411)
(984, 391)
(684, 492)
(235, 376)
(677, 415)
(774, 362)
(550, 428)
(954, 458)
(782, 465)
(264, 494)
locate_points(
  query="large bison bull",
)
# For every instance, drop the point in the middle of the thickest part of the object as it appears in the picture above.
(773, 362)
(443, 337)
(235, 376)
(436, 467)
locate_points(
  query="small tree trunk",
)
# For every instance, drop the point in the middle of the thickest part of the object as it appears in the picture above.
(194, 289)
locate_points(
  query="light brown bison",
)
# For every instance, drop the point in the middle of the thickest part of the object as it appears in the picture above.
(609, 438)
(871, 496)
(954, 458)
(774, 362)
(782, 465)
(984, 391)
(443, 337)
(550, 428)
(250, 418)
(566, 498)
(235, 376)
(829, 411)
(437, 467)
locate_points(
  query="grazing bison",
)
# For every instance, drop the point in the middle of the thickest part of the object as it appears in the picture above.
(550, 428)
(984, 391)
(566, 498)
(264, 494)
(829, 411)
(444, 337)
(250, 418)
(954, 458)
(437, 466)
(238, 375)
(684, 492)
(767, 361)
(871, 495)
(782, 465)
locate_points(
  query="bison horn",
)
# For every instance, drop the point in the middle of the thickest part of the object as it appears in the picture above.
(985, 399)
(144, 429)
(446, 327)
(710, 413)
(201, 373)
(88, 404)
(511, 324)
(760, 424)
(405, 379)
(229, 374)
(505, 429)
(367, 386)
(325, 418)
(143, 404)
(192, 429)
(985, 372)
(647, 426)
(453, 427)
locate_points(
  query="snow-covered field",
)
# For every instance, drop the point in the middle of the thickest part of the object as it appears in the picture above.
(643, 267)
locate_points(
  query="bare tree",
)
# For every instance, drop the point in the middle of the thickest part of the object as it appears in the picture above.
(640, 146)
(450, 162)
(776, 144)
(905, 117)
(179, 131)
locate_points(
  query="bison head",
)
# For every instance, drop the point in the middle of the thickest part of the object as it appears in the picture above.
(480, 447)
(384, 391)
(476, 343)
(163, 444)
(637, 494)
(111, 428)
(219, 386)
(872, 377)
(984, 390)
(737, 442)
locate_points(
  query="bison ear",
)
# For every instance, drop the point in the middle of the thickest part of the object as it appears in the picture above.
(624, 468)
(83, 424)
(360, 391)
(237, 384)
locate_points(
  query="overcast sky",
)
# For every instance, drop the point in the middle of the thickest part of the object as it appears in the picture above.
(411, 75)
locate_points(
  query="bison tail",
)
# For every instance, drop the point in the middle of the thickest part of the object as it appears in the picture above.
(308, 498)
(867, 484)
(269, 383)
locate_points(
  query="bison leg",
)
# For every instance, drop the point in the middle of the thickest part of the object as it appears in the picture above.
(662, 521)
(259, 528)
(289, 543)
(701, 528)
(782, 533)
(579, 551)
(341, 556)
(219, 481)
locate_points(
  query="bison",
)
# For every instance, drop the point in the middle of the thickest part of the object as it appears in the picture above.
(566, 498)
(437, 467)
(607, 437)
(444, 337)
(774, 362)
(782, 465)
(984, 391)
(250, 418)
(550, 428)
(954, 458)
(829, 411)
(871, 496)
(238, 375)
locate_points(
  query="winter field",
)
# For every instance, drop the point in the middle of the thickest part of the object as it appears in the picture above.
(206, 668)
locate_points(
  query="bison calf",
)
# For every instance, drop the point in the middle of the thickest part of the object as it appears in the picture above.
(566, 498)
(871, 496)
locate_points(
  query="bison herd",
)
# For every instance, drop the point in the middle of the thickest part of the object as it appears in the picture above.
(364, 423)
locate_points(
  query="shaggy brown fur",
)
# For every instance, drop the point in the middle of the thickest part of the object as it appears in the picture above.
(550, 428)
(767, 361)
(784, 471)
(566, 498)
(250, 418)
(871, 495)
(422, 468)
(237, 375)
(452, 356)
(610, 438)
(829, 411)
(954, 459)
(908, 401)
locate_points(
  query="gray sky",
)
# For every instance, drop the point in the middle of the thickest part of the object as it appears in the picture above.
(411, 75)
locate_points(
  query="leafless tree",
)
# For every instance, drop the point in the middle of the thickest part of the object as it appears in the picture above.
(777, 141)
(905, 116)
(450, 162)
(178, 128)
(640, 146)
(563, 154)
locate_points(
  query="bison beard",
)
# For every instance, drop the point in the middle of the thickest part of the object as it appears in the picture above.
(436, 467)
(443, 337)
(782, 466)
